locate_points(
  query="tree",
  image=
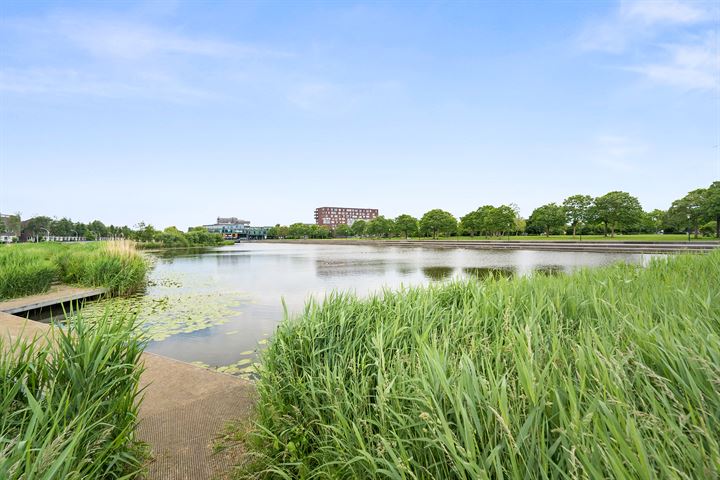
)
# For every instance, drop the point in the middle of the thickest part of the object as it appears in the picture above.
(379, 227)
(13, 224)
(617, 210)
(36, 226)
(299, 230)
(501, 219)
(711, 206)
(438, 221)
(471, 223)
(577, 208)
(343, 230)
(406, 225)
(547, 218)
(358, 227)
(654, 221)
(688, 211)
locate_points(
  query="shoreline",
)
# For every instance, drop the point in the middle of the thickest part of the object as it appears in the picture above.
(613, 246)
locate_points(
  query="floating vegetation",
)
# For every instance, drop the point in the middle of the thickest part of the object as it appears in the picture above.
(172, 307)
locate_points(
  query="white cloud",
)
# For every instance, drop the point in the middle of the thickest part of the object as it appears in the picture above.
(664, 27)
(691, 66)
(663, 11)
(638, 21)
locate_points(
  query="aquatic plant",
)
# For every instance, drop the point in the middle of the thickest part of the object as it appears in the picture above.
(69, 403)
(605, 373)
(27, 269)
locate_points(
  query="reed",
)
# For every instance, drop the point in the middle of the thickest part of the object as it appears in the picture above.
(606, 373)
(69, 403)
(28, 269)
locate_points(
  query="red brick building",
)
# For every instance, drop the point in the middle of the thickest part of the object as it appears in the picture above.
(334, 216)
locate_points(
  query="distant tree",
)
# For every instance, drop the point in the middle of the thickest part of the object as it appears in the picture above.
(654, 221)
(617, 210)
(318, 231)
(520, 225)
(688, 211)
(358, 227)
(379, 227)
(471, 223)
(711, 206)
(13, 224)
(577, 210)
(343, 230)
(406, 225)
(501, 220)
(36, 226)
(98, 227)
(437, 221)
(146, 233)
(299, 230)
(547, 218)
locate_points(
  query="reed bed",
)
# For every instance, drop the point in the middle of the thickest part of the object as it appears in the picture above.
(69, 405)
(605, 373)
(28, 269)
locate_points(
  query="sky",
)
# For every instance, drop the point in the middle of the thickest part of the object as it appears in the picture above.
(174, 113)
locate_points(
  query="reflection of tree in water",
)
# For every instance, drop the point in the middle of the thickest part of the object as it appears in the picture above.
(232, 259)
(482, 273)
(331, 269)
(437, 273)
(549, 270)
(406, 270)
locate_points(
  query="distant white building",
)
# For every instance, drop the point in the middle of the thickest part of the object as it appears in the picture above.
(8, 238)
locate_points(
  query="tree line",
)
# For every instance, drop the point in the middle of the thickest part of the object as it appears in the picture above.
(144, 233)
(698, 212)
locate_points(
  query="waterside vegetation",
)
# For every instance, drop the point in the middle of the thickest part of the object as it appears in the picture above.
(605, 373)
(69, 403)
(27, 269)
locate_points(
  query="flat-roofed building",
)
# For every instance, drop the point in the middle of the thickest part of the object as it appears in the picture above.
(233, 228)
(334, 216)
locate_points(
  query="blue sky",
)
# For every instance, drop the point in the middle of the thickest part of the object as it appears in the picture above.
(176, 112)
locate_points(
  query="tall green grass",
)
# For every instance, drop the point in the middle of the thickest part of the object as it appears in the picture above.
(27, 269)
(606, 373)
(68, 408)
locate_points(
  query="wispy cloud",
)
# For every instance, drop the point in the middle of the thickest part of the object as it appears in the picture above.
(692, 66)
(672, 43)
(617, 153)
(117, 58)
(637, 21)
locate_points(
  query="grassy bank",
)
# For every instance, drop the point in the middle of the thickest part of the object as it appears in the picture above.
(27, 269)
(68, 408)
(606, 373)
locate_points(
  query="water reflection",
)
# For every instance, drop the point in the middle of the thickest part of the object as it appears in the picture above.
(438, 273)
(214, 305)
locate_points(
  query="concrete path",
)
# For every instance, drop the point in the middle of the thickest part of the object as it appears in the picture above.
(184, 408)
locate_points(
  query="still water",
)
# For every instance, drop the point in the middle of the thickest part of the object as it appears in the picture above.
(218, 306)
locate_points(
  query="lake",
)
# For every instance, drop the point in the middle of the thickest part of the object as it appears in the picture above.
(217, 307)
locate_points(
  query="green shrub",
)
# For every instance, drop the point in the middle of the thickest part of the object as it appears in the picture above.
(606, 373)
(68, 408)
